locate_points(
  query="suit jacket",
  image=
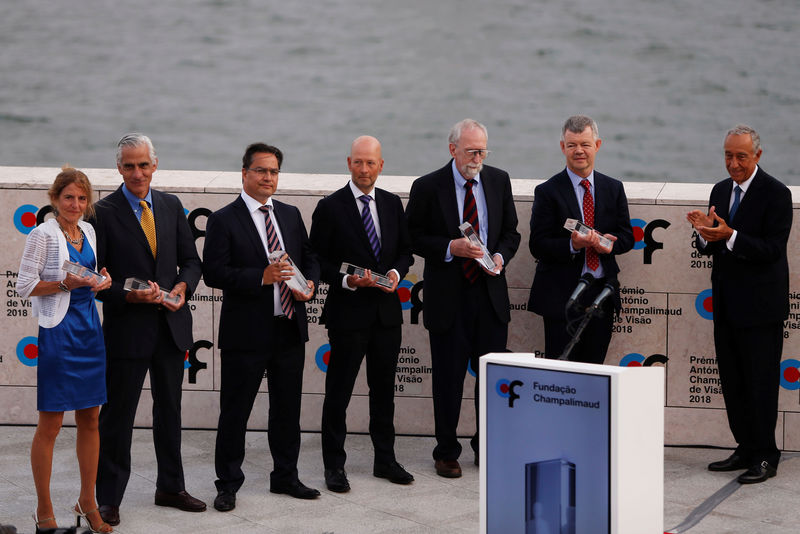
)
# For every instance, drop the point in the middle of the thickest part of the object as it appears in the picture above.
(122, 248)
(558, 269)
(338, 235)
(234, 260)
(750, 285)
(433, 219)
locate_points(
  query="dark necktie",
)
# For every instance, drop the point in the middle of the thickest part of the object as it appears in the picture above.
(737, 196)
(287, 301)
(369, 226)
(470, 216)
(592, 259)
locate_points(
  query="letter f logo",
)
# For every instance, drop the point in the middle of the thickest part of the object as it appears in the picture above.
(512, 395)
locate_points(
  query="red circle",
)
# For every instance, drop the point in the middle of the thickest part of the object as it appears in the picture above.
(791, 374)
(708, 305)
(31, 351)
(638, 233)
(504, 388)
(28, 219)
(326, 357)
(404, 294)
(634, 363)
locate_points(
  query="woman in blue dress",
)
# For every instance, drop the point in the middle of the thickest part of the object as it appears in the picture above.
(72, 359)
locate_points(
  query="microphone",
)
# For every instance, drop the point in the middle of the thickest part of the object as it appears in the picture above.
(609, 289)
(583, 283)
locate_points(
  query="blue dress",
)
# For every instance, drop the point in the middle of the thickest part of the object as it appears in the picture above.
(71, 370)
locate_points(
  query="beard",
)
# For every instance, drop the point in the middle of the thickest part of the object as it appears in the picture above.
(471, 170)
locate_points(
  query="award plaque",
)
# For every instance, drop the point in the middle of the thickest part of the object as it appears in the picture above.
(297, 282)
(82, 272)
(137, 284)
(380, 279)
(577, 226)
(469, 232)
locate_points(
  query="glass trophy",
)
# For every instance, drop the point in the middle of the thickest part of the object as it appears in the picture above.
(297, 282)
(577, 226)
(82, 272)
(469, 232)
(136, 284)
(380, 279)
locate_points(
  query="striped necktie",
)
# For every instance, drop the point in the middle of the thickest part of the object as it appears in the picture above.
(148, 226)
(470, 216)
(287, 300)
(369, 226)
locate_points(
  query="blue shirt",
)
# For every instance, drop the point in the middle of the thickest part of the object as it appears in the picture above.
(133, 200)
(480, 204)
(579, 192)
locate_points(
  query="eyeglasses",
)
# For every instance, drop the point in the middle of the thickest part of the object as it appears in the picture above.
(480, 152)
(262, 172)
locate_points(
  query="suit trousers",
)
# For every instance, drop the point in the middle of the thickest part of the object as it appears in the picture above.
(595, 338)
(749, 359)
(381, 346)
(282, 358)
(476, 331)
(124, 380)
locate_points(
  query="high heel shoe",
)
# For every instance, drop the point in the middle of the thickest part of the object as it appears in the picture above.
(37, 521)
(103, 528)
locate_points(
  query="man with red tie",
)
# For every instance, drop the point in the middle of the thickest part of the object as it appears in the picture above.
(564, 259)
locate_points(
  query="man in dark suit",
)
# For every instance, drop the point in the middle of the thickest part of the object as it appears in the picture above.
(143, 233)
(366, 227)
(262, 324)
(745, 231)
(466, 306)
(563, 257)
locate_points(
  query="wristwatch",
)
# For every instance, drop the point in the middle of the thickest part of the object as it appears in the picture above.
(63, 287)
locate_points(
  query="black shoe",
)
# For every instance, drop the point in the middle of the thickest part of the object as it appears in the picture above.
(734, 462)
(394, 472)
(336, 480)
(181, 501)
(757, 473)
(110, 514)
(296, 489)
(225, 501)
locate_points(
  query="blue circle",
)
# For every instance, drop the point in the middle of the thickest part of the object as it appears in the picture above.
(22, 210)
(23, 343)
(785, 384)
(630, 358)
(319, 357)
(500, 383)
(639, 223)
(699, 302)
(186, 362)
(471, 370)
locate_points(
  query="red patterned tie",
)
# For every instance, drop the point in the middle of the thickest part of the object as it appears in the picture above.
(471, 216)
(287, 301)
(592, 260)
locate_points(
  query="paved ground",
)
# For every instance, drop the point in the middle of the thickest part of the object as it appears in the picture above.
(431, 505)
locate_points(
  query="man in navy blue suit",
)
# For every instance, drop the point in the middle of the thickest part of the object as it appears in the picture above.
(262, 326)
(563, 257)
(745, 231)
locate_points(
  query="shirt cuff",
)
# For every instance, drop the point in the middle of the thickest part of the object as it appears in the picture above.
(344, 284)
(448, 256)
(731, 240)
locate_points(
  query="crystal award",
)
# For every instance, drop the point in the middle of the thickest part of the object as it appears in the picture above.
(82, 272)
(380, 279)
(577, 226)
(486, 260)
(297, 282)
(136, 284)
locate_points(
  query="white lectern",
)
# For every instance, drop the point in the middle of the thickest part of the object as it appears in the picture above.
(570, 448)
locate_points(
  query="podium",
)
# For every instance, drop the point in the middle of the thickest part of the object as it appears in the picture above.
(570, 448)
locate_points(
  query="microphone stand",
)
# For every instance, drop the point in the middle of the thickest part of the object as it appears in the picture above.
(588, 313)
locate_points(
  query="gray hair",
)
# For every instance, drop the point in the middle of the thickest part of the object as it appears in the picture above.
(742, 129)
(459, 127)
(577, 124)
(132, 140)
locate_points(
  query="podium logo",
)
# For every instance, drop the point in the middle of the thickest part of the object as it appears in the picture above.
(704, 305)
(28, 351)
(634, 359)
(322, 357)
(25, 218)
(506, 389)
(790, 374)
(643, 237)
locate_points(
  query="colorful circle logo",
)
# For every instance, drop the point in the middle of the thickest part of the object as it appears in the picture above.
(503, 387)
(404, 293)
(634, 359)
(186, 362)
(25, 218)
(471, 370)
(28, 351)
(704, 306)
(790, 374)
(638, 226)
(322, 357)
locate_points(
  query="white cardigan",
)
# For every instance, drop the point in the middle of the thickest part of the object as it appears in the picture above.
(44, 254)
